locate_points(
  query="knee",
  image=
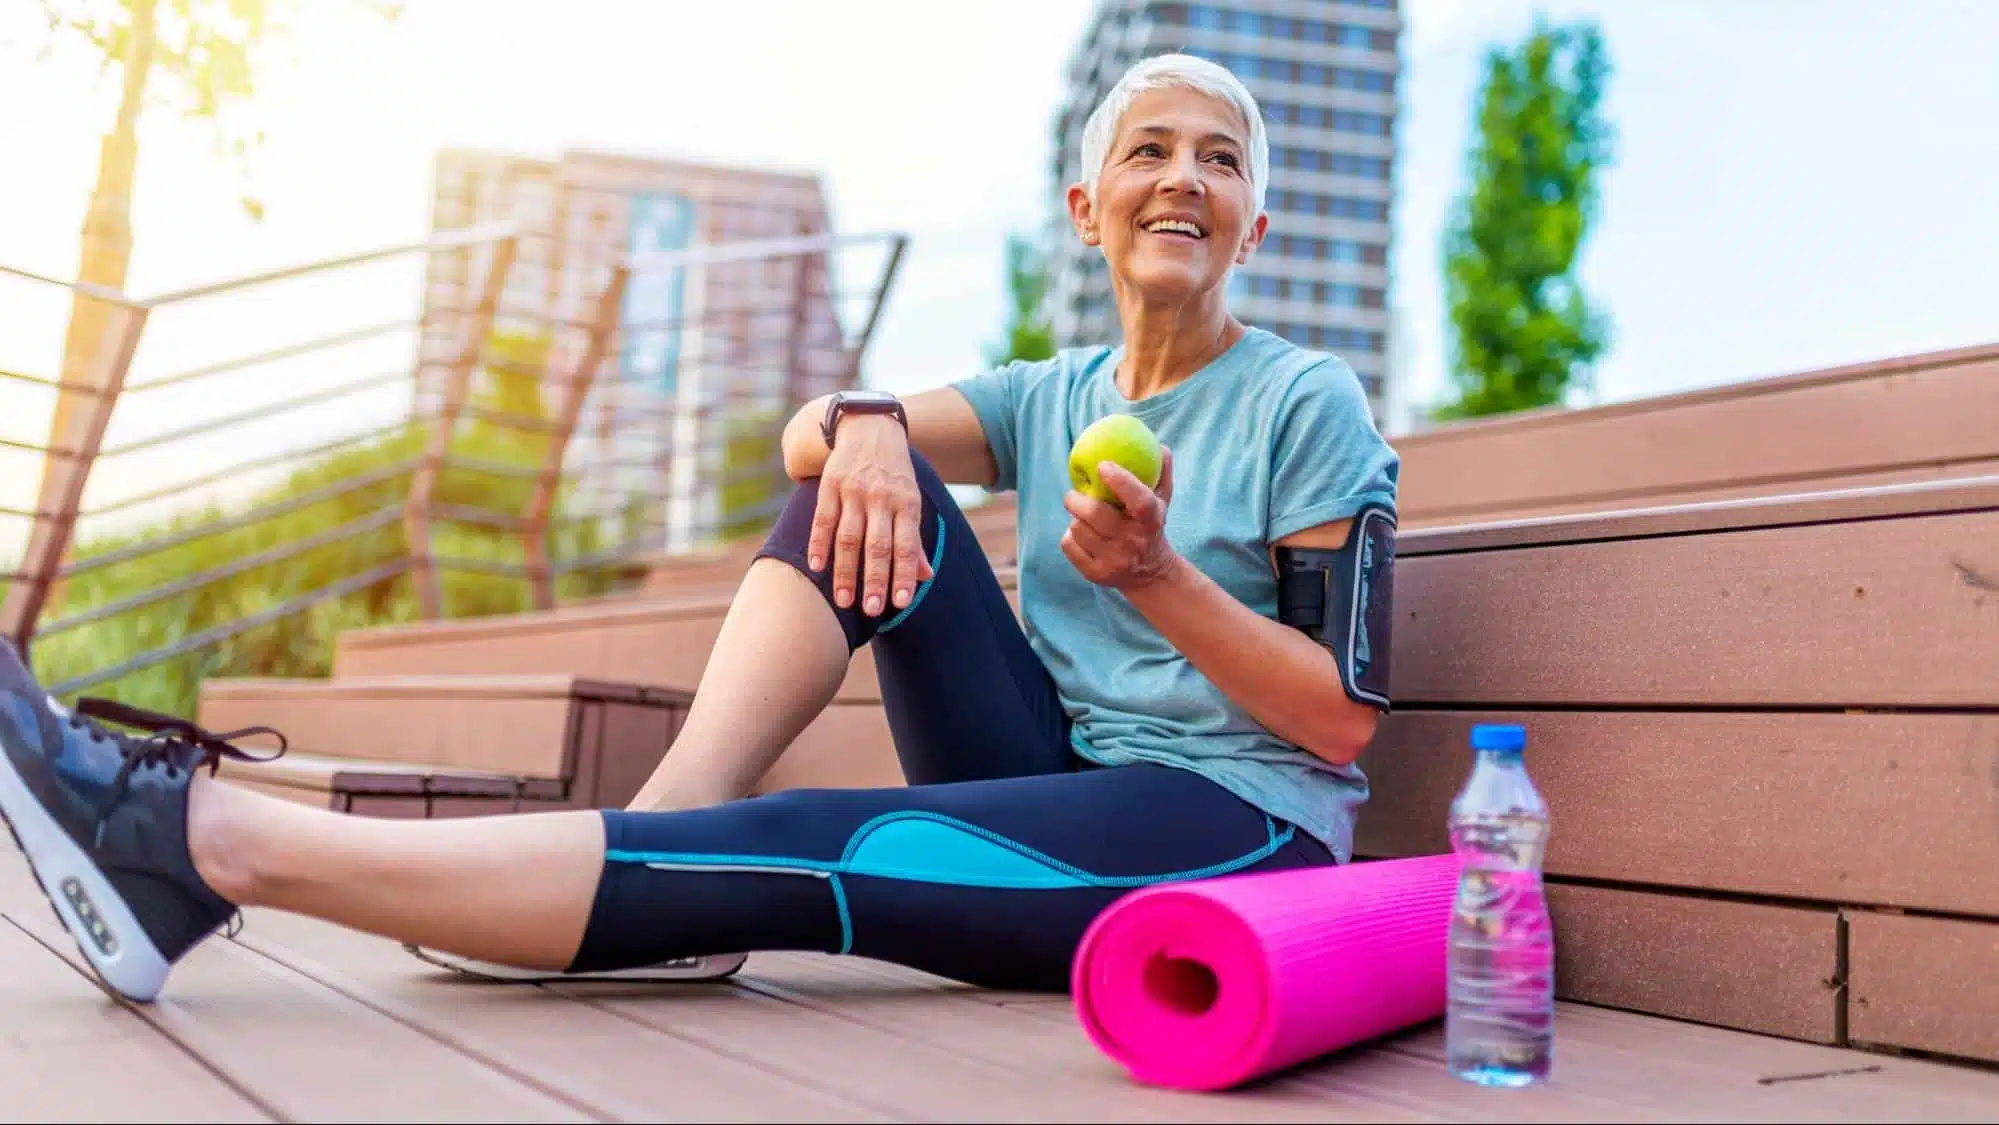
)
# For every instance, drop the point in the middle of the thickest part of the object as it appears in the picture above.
(793, 529)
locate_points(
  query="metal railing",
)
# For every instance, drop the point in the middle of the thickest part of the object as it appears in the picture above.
(449, 480)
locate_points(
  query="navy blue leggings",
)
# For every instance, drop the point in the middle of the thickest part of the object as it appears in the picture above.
(986, 869)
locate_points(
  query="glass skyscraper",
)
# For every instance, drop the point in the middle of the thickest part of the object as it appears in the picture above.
(1324, 73)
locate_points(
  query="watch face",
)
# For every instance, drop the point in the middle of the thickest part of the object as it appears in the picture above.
(868, 398)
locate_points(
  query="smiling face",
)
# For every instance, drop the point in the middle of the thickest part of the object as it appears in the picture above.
(1174, 207)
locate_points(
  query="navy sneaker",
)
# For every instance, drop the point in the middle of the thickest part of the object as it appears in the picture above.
(102, 817)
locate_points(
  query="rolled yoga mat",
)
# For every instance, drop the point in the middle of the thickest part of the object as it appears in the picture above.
(1208, 984)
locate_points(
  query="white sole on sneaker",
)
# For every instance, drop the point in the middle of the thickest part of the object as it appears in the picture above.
(679, 970)
(109, 936)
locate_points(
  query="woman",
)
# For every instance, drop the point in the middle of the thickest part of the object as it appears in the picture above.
(1154, 721)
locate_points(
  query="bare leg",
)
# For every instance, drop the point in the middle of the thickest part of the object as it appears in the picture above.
(776, 663)
(456, 885)
(516, 890)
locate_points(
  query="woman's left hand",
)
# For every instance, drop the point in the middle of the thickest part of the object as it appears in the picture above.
(1121, 549)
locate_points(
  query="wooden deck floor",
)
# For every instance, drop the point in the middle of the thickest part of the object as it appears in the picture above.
(295, 1020)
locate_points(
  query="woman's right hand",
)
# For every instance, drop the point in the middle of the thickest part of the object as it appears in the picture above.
(868, 522)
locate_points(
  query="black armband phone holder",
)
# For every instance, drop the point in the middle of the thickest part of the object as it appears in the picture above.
(1344, 598)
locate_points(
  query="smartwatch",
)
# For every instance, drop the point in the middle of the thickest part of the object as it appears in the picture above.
(844, 403)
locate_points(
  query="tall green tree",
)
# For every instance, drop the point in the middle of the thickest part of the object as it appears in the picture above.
(197, 58)
(1029, 336)
(1522, 332)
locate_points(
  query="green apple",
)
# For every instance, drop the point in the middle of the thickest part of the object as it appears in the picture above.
(1122, 440)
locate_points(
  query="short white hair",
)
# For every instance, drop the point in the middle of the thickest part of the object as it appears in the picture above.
(1187, 72)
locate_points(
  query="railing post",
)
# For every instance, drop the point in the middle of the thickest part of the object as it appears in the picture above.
(534, 521)
(84, 436)
(457, 383)
(889, 270)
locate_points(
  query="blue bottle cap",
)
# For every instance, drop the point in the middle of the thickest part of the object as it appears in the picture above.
(1498, 736)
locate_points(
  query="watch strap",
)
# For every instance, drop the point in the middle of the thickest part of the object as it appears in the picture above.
(842, 404)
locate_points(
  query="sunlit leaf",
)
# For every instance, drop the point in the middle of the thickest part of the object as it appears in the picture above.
(207, 54)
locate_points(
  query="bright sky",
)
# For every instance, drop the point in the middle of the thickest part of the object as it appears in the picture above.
(1800, 182)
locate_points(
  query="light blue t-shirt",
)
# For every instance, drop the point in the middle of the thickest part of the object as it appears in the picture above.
(1267, 440)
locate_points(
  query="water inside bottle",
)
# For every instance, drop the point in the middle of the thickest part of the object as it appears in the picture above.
(1499, 1025)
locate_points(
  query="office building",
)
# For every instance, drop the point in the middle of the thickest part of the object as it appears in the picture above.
(711, 359)
(1325, 73)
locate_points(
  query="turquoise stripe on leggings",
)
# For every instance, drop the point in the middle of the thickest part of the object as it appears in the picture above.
(925, 847)
(922, 588)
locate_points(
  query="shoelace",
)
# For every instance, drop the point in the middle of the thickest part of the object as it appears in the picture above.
(172, 743)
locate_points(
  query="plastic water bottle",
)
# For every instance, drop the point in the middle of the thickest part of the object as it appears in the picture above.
(1499, 1027)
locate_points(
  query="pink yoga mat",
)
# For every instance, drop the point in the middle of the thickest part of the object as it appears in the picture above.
(1209, 984)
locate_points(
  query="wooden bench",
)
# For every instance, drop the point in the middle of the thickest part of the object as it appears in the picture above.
(1769, 726)
(1768, 732)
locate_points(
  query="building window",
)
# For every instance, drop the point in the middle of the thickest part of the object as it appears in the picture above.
(1369, 81)
(1337, 206)
(1332, 337)
(1276, 27)
(1319, 249)
(1280, 113)
(1307, 74)
(1370, 210)
(1349, 164)
(1358, 121)
(1338, 163)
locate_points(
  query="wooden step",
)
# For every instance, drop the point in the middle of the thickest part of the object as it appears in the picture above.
(721, 568)
(847, 747)
(1896, 421)
(609, 640)
(1763, 729)
(599, 740)
(707, 569)
(1875, 598)
(397, 789)
(662, 642)
(996, 524)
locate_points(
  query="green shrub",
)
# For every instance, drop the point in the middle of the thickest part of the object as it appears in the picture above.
(300, 643)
